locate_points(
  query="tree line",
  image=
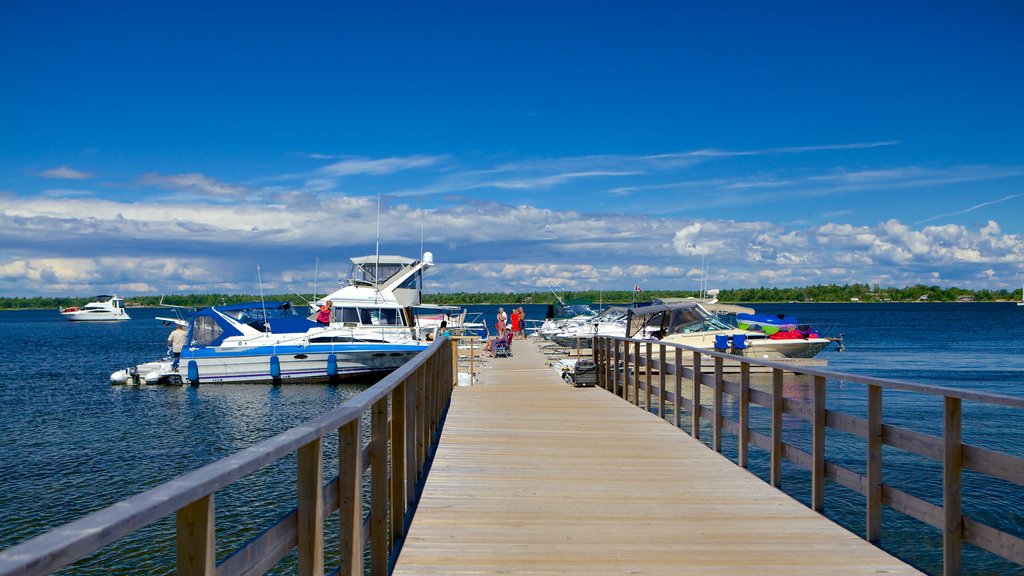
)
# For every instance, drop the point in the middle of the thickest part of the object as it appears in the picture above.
(818, 293)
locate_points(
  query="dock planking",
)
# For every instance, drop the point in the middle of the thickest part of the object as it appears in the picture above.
(532, 476)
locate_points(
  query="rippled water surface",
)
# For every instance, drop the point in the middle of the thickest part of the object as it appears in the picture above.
(70, 443)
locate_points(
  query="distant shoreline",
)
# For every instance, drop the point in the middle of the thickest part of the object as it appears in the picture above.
(509, 303)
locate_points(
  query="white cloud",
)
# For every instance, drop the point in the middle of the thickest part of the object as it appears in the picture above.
(65, 173)
(378, 166)
(198, 184)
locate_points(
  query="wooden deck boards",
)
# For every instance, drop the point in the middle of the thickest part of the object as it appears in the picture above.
(532, 476)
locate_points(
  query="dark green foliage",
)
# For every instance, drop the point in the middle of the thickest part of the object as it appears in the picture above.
(824, 293)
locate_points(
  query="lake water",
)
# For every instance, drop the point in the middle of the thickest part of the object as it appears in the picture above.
(70, 443)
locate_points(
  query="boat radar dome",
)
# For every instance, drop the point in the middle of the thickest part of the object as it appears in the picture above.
(428, 258)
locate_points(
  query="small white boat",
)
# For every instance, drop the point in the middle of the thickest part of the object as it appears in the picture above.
(693, 325)
(104, 308)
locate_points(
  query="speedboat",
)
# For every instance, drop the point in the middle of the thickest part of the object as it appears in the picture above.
(270, 342)
(104, 308)
(693, 325)
(566, 316)
(609, 322)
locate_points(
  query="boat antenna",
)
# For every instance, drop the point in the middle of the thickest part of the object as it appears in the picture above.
(263, 303)
(301, 296)
(376, 268)
(557, 297)
(316, 275)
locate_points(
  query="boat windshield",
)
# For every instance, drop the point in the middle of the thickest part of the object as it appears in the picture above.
(259, 314)
(204, 331)
(662, 320)
(572, 310)
(373, 273)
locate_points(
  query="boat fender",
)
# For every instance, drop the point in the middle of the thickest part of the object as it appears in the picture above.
(193, 372)
(332, 365)
(275, 367)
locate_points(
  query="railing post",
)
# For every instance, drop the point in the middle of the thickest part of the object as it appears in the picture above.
(661, 385)
(776, 463)
(379, 545)
(636, 374)
(952, 469)
(420, 415)
(615, 373)
(818, 445)
(695, 413)
(194, 537)
(744, 416)
(650, 372)
(874, 465)
(716, 423)
(310, 472)
(399, 441)
(679, 389)
(350, 498)
(626, 370)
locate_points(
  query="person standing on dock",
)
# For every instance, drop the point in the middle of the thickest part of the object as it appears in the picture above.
(176, 341)
(514, 322)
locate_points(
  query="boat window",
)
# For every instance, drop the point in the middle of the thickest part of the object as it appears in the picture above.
(385, 317)
(331, 339)
(369, 272)
(347, 315)
(205, 330)
(412, 282)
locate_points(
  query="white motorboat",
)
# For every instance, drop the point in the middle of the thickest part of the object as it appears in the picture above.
(104, 308)
(372, 332)
(269, 342)
(382, 295)
(565, 316)
(693, 325)
(609, 322)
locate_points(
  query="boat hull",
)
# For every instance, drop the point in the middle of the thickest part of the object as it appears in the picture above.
(87, 316)
(757, 346)
(295, 365)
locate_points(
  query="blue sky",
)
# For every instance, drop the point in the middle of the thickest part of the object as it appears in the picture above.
(169, 147)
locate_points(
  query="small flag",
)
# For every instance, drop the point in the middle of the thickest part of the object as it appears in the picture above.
(637, 289)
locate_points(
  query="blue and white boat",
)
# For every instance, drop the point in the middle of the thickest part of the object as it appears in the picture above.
(269, 342)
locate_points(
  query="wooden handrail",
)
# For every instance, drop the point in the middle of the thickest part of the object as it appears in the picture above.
(415, 396)
(948, 450)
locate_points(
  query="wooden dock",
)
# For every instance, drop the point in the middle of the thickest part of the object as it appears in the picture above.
(533, 476)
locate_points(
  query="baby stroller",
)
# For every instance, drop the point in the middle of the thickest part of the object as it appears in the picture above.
(503, 346)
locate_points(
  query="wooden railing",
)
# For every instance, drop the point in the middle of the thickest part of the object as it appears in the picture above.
(405, 411)
(628, 370)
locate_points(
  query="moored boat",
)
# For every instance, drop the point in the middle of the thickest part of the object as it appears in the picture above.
(693, 325)
(104, 308)
(269, 342)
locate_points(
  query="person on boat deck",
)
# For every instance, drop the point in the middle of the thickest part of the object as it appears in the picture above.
(176, 341)
(522, 322)
(502, 317)
(325, 313)
(441, 331)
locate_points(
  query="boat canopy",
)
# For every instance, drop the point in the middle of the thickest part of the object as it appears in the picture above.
(208, 326)
(667, 318)
(377, 270)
